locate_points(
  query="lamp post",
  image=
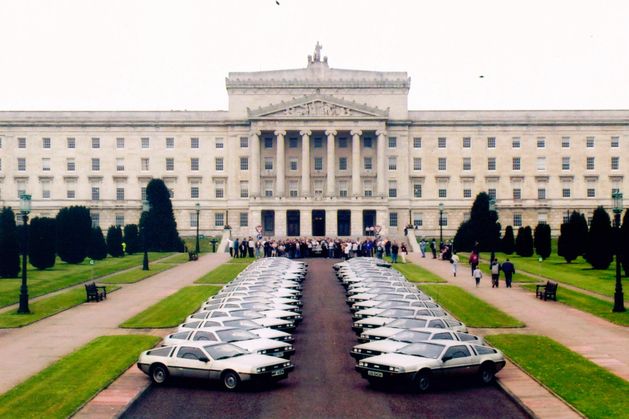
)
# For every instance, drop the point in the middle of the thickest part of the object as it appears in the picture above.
(146, 207)
(619, 304)
(441, 206)
(492, 208)
(197, 206)
(25, 209)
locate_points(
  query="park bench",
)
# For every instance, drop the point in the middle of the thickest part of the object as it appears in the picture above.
(549, 290)
(95, 292)
(193, 256)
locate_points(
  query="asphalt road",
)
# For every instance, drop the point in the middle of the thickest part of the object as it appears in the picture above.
(324, 383)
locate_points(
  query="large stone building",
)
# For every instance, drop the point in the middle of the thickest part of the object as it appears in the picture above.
(316, 151)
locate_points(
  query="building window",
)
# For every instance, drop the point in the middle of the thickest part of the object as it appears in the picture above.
(119, 142)
(515, 142)
(565, 193)
(491, 192)
(467, 193)
(219, 164)
(318, 142)
(45, 191)
(367, 142)
(342, 163)
(194, 142)
(590, 163)
(516, 163)
(565, 142)
(393, 219)
(119, 194)
(342, 142)
(491, 142)
(615, 143)
(467, 163)
(244, 142)
(589, 142)
(392, 142)
(318, 163)
(244, 219)
(542, 219)
(119, 220)
(95, 142)
(565, 163)
(193, 219)
(541, 193)
(368, 163)
(96, 165)
(444, 220)
(541, 163)
(194, 164)
(268, 163)
(268, 188)
(143, 193)
(442, 193)
(21, 142)
(615, 163)
(517, 220)
(417, 163)
(441, 163)
(491, 163)
(467, 142)
(293, 186)
(441, 142)
(244, 189)
(95, 193)
(194, 192)
(71, 142)
(144, 163)
(21, 164)
(119, 164)
(541, 142)
(417, 190)
(46, 143)
(418, 220)
(244, 163)
(343, 192)
(170, 164)
(145, 142)
(219, 190)
(70, 194)
(417, 142)
(292, 164)
(292, 142)
(219, 219)
(219, 143)
(392, 163)
(95, 219)
(45, 164)
(517, 194)
(392, 189)
(591, 193)
(368, 189)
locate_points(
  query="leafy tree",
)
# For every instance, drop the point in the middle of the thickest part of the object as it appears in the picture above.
(74, 225)
(507, 244)
(542, 240)
(159, 224)
(131, 238)
(524, 242)
(624, 243)
(600, 243)
(41, 239)
(97, 249)
(9, 245)
(114, 241)
(573, 237)
(482, 227)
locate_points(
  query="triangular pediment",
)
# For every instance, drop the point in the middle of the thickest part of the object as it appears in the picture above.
(318, 107)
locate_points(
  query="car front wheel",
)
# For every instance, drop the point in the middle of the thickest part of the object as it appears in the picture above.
(231, 380)
(159, 374)
(422, 381)
(487, 373)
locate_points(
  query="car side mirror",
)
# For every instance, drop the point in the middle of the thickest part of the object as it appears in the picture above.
(204, 359)
(446, 358)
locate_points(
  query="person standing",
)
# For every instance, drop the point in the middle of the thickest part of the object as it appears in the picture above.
(230, 244)
(387, 247)
(477, 274)
(509, 270)
(454, 259)
(235, 244)
(403, 252)
(394, 251)
(433, 248)
(473, 261)
(422, 247)
(252, 246)
(495, 273)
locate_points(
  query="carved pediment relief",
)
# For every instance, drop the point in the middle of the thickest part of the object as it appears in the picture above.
(318, 107)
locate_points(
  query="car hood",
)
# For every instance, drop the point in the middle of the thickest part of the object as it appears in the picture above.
(271, 321)
(267, 333)
(369, 312)
(371, 321)
(383, 331)
(255, 345)
(381, 346)
(408, 362)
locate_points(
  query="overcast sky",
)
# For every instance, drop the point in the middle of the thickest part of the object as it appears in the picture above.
(150, 54)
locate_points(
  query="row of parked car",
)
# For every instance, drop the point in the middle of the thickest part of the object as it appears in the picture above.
(405, 337)
(242, 334)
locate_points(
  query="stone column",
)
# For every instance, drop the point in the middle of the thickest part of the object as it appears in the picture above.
(357, 223)
(280, 172)
(356, 162)
(331, 168)
(331, 218)
(381, 174)
(305, 222)
(305, 162)
(255, 164)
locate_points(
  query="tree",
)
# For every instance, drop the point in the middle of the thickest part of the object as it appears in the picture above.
(580, 231)
(74, 226)
(482, 227)
(573, 237)
(159, 224)
(624, 243)
(542, 240)
(9, 245)
(507, 244)
(131, 238)
(114, 241)
(600, 243)
(524, 242)
(41, 240)
(97, 249)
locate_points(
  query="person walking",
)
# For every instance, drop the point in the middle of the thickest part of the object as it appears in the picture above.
(509, 269)
(235, 243)
(394, 251)
(473, 261)
(454, 260)
(495, 273)
(422, 247)
(477, 274)
(433, 248)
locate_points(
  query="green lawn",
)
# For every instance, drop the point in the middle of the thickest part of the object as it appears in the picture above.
(589, 304)
(225, 272)
(469, 309)
(64, 275)
(592, 390)
(46, 307)
(138, 274)
(204, 243)
(62, 388)
(416, 273)
(173, 309)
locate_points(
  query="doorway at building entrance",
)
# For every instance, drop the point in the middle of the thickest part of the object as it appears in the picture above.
(344, 222)
(268, 223)
(369, 220)
(292, 223)
(318, 223)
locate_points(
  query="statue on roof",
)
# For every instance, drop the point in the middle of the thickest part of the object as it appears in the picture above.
(317, 54)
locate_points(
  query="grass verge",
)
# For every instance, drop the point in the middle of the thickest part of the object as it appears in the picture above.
(416, 273)
(62, 388)
(46, 307)
(172, 310)
(138, 274)
(469, 309)
(592, 390)
(225, 272)
(589, 304)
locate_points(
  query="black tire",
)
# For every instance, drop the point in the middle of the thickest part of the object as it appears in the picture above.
(159, 374)
(423, 381)
(230, 380)
(487, 373)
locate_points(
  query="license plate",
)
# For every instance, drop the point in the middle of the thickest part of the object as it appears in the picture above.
(277, 354)
(277, 372)
(375, 374)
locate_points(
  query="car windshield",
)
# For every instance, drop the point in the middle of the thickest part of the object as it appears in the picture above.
(407, 323)
(223, 351)
(409, 336)
(242, 324)
(247, 314)
(235, 335)
(392, 303)
(255, 306)
(396, 312)
(200, 315)
(423, 349)
(383, 297)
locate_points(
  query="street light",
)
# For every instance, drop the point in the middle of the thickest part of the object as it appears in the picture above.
(25, 209)
(146, 207)
(198, 208)
(619, 304)
(492, 208)
(441, 206)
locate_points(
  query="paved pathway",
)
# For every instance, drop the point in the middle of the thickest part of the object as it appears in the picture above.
(26, 351)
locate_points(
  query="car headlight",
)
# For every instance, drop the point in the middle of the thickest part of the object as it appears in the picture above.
(287, 364)
(394, 369)
(289, 348)
(357, 350)
(259, 370)
(364, 335)
(262, 351)
(362, 364)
